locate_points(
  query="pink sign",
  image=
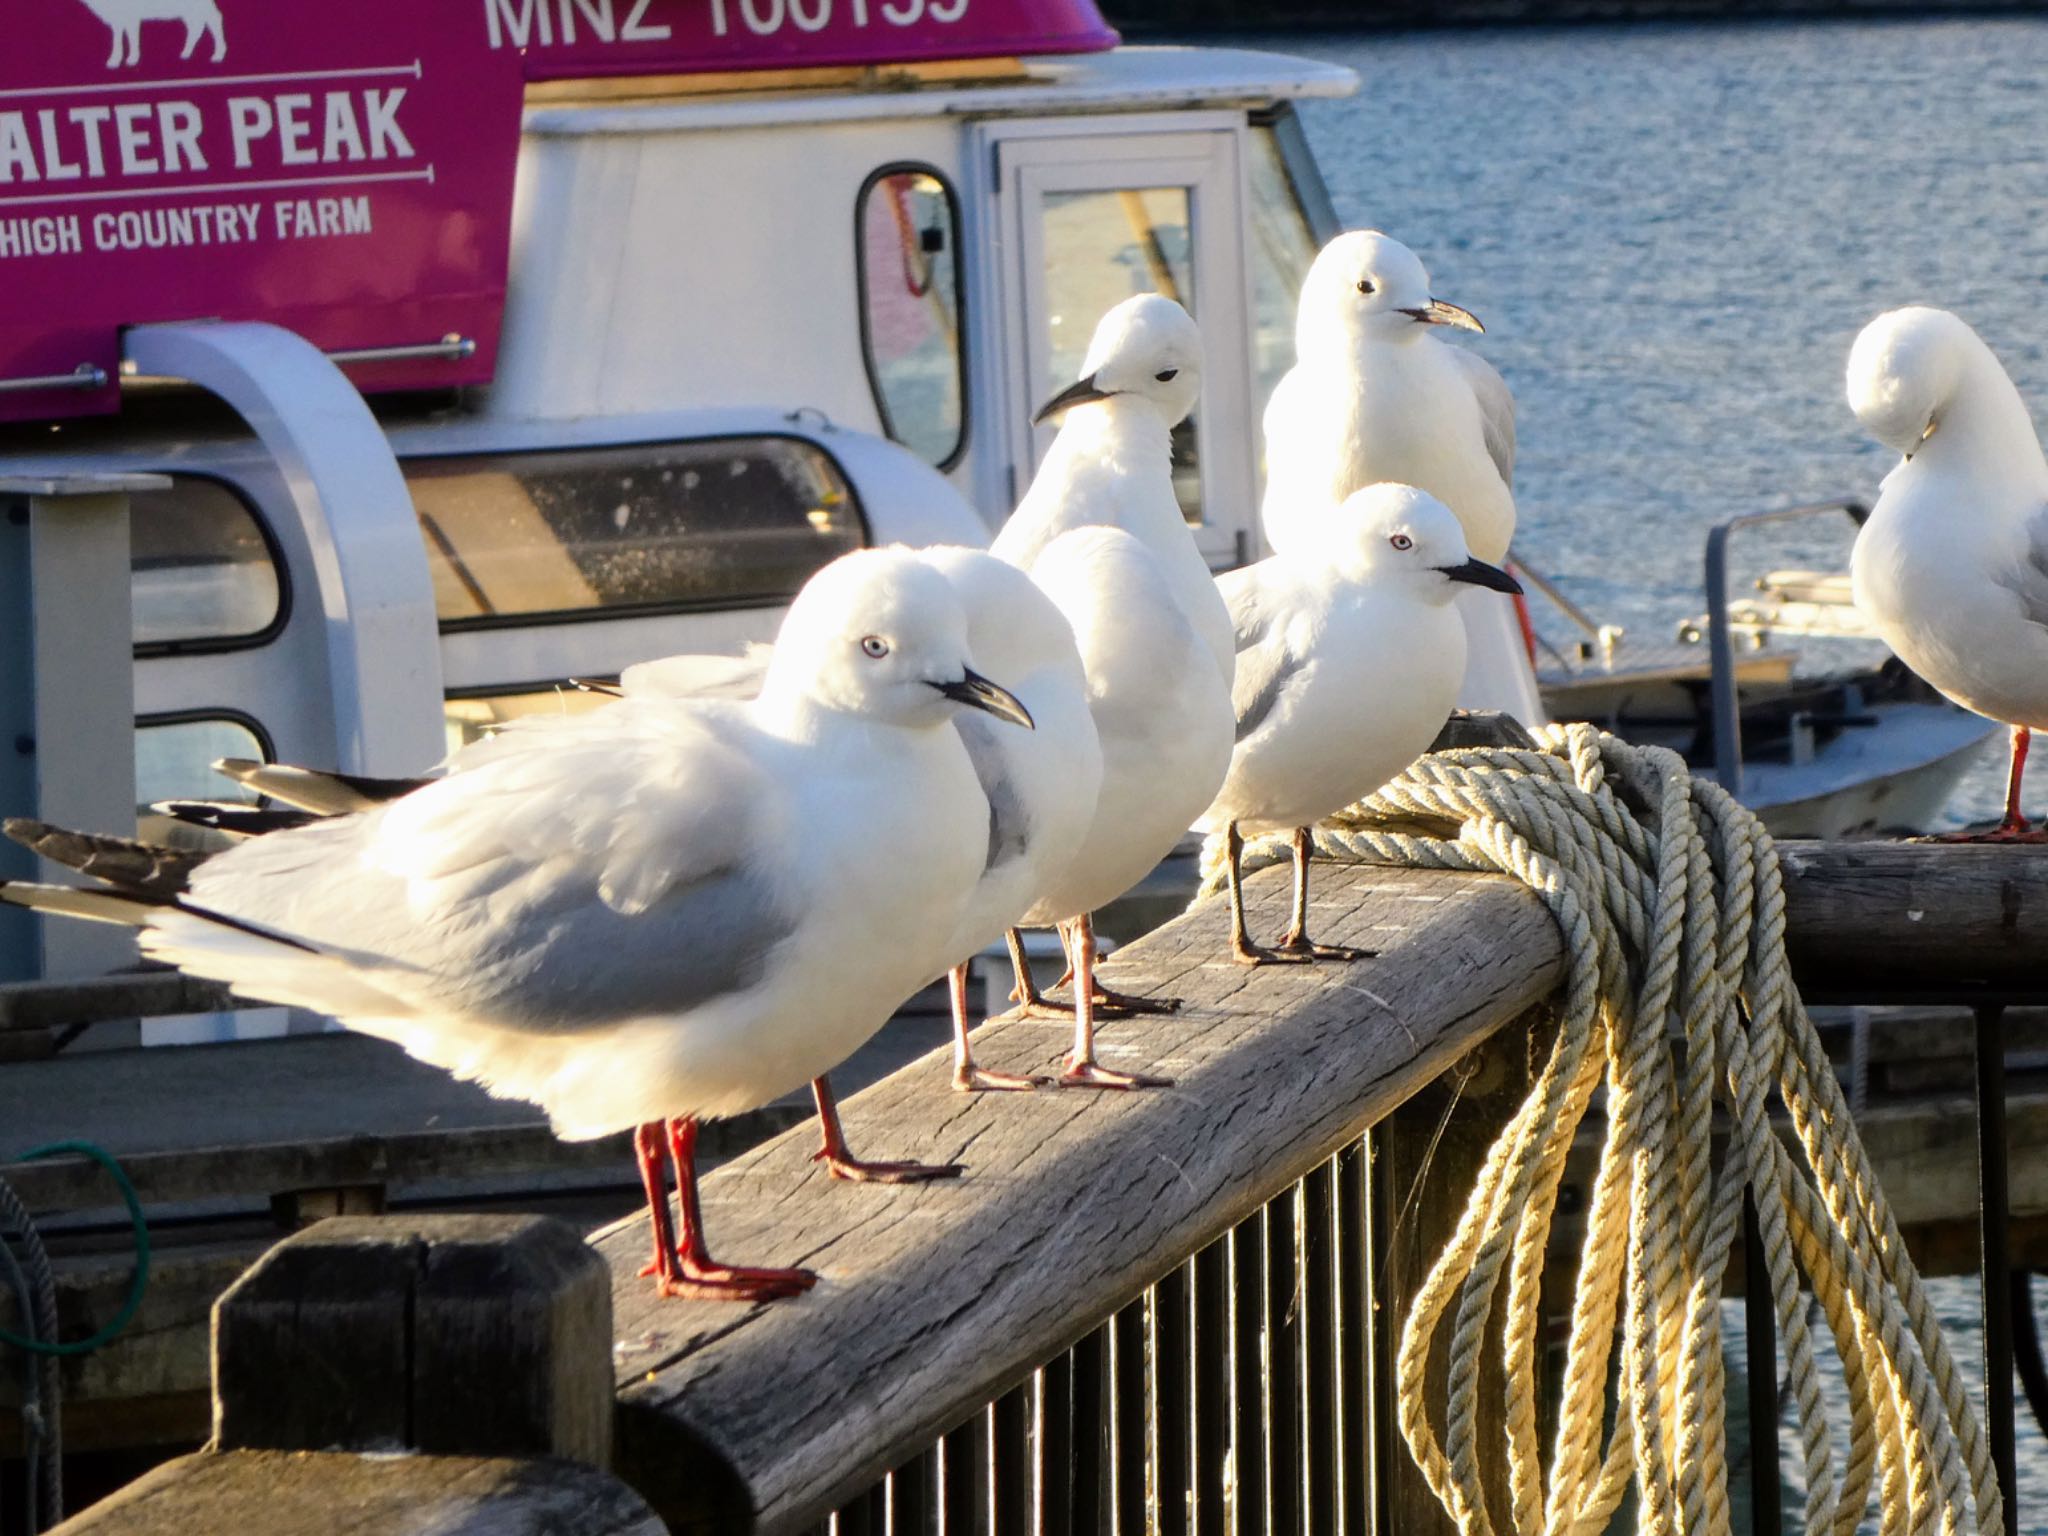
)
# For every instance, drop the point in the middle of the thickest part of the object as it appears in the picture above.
(341, 169)
(572, 38)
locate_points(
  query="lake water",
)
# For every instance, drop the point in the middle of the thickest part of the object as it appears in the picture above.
(1674, 232)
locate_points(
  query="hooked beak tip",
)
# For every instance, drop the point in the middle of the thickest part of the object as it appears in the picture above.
(977, 692)
(1439, 312)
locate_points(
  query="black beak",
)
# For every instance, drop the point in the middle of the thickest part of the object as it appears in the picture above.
(1480, 574)
(978, 692)
(1080, 392)
(1437, 312)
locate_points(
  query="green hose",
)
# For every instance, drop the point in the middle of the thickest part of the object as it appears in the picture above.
(136, 1287)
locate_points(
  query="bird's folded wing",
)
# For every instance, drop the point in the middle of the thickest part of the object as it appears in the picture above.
(636, 800)
(1264, 667)
(1496, 410)
(2028, 580)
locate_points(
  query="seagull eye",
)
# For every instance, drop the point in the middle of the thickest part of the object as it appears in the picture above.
(1365, 285)
(1401, 541)
(875, 646)
(1167, 376)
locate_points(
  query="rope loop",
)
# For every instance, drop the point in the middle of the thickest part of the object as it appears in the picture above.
(1678, 999)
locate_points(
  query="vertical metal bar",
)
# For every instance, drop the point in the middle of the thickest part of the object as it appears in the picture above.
(963, 1464)
(1247, 1374)
(1994, 1211)
(1056, 1446)
(1319, 1352)
(1090, 1432)
(1381, 1204)
(1211, 1349)
(1760, 1328)
(1009, 1463)
(1283, 1361)
(913, 1490)
(1170, 1403)
(1721, 656)
(1127, 1418)
(1354, 1342)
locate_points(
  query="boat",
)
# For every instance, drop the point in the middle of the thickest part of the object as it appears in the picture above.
(1851, 748)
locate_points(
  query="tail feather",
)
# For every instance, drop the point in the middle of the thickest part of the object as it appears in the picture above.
(235, 818)
(100, 906)
(136, 868)
(312, 789)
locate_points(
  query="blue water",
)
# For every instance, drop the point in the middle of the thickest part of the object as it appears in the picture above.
(1674, 232)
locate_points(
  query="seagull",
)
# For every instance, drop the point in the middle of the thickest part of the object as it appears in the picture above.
(1952, 564)
(1154, 633)
(654, 913)
(1040, 785)
(1349, 661)
(1376, 395)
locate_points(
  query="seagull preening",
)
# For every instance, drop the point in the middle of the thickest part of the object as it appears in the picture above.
(1952, 565)
(1152, 628)
(660, 911)
(1349, 659)
(1376, 396)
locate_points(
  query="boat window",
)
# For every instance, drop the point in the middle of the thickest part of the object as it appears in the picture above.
(174, 759)
(909, 253)
(714, 522)
(472, 716)
(1283, 244)
(1101, 247)
(202, 569)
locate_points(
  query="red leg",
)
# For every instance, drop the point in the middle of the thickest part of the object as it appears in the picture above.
(647, 1151)
(844, 1165)
(1116, 1005)
(692, 1274)
(2014, 821)
(1297, 941)
(967, 1077)
(1082, 1070)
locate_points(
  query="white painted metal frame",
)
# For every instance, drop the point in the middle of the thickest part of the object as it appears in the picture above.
(1202, 151)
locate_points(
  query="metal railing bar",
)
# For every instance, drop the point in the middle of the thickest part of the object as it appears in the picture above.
(1247, 1370)
(1995, 1268)
(1384, 1440)
(1055, 1446)
(1170, 1402)
(1211, 1509)
(1284, 1308)
(1353, 1342)
(1760, 1330)
(963, 1456)
(1127, 1419)
(1009, 1463)
(1090, 1432)
(1319, 1349)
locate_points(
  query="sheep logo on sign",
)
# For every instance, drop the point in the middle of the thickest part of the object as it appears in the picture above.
(124, 19)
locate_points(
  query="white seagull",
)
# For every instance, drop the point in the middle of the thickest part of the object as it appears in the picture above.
(1154, 633)
(1375, 395)
(1952, 565)
(657, 912)
(1349, 660)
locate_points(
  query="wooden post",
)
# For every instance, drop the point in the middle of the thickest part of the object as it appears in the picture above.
(454, 1335)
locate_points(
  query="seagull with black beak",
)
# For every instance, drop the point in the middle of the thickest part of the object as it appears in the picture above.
(1377, 395)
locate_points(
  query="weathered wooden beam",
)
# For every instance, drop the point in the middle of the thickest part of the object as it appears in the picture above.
(935, 1299)
(341, 1493)
(1876, 922)
(451, 1334)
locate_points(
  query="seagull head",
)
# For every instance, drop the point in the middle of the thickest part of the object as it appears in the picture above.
(1905, 371)
(1366, 286)
(1398, 537)
(881, 634)
(1146, 349)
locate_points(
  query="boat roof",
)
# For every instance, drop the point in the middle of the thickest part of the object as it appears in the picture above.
(1124, 79)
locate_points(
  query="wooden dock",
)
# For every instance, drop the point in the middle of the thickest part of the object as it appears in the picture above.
(1089, 1240)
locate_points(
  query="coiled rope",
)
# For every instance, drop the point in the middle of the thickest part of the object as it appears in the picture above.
(1673, 913)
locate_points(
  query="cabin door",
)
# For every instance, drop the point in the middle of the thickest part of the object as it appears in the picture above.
(1090, 212)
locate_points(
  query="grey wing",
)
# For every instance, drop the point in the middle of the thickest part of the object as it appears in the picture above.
(1264, 667)
(2029, 579)
(1496, 411)
(1009, 829)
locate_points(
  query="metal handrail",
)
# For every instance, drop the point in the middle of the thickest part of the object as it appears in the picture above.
(1727, 713)
(84, 376)
(451, 347)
